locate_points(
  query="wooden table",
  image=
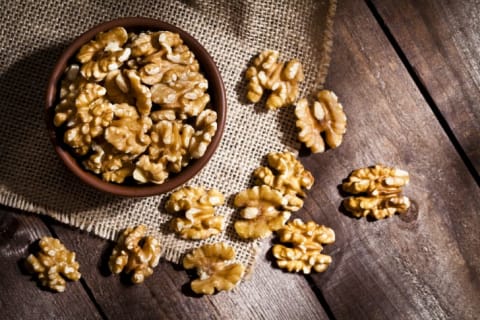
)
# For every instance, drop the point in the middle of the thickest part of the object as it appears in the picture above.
(408, 75)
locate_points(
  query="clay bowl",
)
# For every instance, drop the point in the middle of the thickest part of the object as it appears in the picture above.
(216, 91)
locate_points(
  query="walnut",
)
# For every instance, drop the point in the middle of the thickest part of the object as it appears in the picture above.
(144, 44)
(279, 77)
(103, 54)
(306, 241)
(379, 191)
(53, 263)
(142, 94)
(113, 165)
(170, 142)
(325, 115)
(214, 268)
(148, 171)
(128, 132)
(135, 254)
(198, 205)
(185, 94)
(206, 127)
(91, 115)
(287, 175)
(69, 90)
(263, 211)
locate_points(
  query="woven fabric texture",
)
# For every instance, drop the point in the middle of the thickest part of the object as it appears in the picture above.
(34, 33)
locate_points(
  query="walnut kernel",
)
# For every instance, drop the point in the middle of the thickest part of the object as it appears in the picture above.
(287, 175)
(280, 78)
(306, 240)
(53, 263)
(379, 191)
(325, 115)
(215, 271)
(198, 206)
(135, 254)
(262, 212)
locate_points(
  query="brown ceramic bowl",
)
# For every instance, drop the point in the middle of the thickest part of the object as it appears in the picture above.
(216, 91)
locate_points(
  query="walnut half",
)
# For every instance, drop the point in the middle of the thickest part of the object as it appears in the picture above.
(54, 263)
(306, 240)
(326, 116)
(280, 78)
(377, 192)
(214, 268)
(198, 206)
(135, 254)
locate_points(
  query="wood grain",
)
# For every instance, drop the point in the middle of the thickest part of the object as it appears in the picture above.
(20, 297)
(268, 294)
(441, 40)
(424, 265)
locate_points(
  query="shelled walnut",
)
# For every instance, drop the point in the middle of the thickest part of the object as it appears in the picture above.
(103, 54)
(326, 116)
(287, 175)
(280, 78)
(136, 106)
(135, 254)
(262, 212)
(198, 206)
(377, 192)
(53, 263)
(306, 240)
(214, 268)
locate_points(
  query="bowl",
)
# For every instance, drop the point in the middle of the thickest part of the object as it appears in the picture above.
(216, 91)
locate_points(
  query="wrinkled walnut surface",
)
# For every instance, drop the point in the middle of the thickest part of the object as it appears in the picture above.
(326, 116)
(198, 206)
(306, 241)
(135, 254)
(53, 263)
(262, 212)
(136, 106)
(286, 174)
(280, 78)
(377, 192)
(215, 269)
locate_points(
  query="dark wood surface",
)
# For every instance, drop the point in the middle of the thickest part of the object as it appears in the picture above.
(407, 73)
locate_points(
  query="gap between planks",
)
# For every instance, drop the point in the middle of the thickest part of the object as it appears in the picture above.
(424, 92)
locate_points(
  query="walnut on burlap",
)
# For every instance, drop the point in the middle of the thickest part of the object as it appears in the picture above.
(32, 36)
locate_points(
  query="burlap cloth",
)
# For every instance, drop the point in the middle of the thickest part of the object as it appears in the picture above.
(34, 33)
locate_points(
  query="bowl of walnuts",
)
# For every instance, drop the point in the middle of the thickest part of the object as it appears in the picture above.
(135, 107)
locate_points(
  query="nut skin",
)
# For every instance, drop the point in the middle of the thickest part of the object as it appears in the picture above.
(280, 78)
(53, 263)
(287, 175)
(136, 106)
(326, 116)
(306, 240)
(214, 267)
(262, 212)
(198, 206)
(135, 254)
(378, 192)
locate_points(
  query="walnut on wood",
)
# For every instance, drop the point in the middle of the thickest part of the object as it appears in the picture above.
(215, 268)
(53, 263)
(262, 211)
(325, 116)
(135, 254)
(280, 78)
(197, 204)
(306, 242)
(377, 192)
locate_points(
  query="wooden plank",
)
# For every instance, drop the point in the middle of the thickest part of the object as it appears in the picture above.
(20, 297)
(424, 265)
(441, 39)
(268, 294)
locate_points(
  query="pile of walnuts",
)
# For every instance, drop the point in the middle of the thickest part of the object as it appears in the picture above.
(135, 106)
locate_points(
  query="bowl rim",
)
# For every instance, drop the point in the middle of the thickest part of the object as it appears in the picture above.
(217, 98)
